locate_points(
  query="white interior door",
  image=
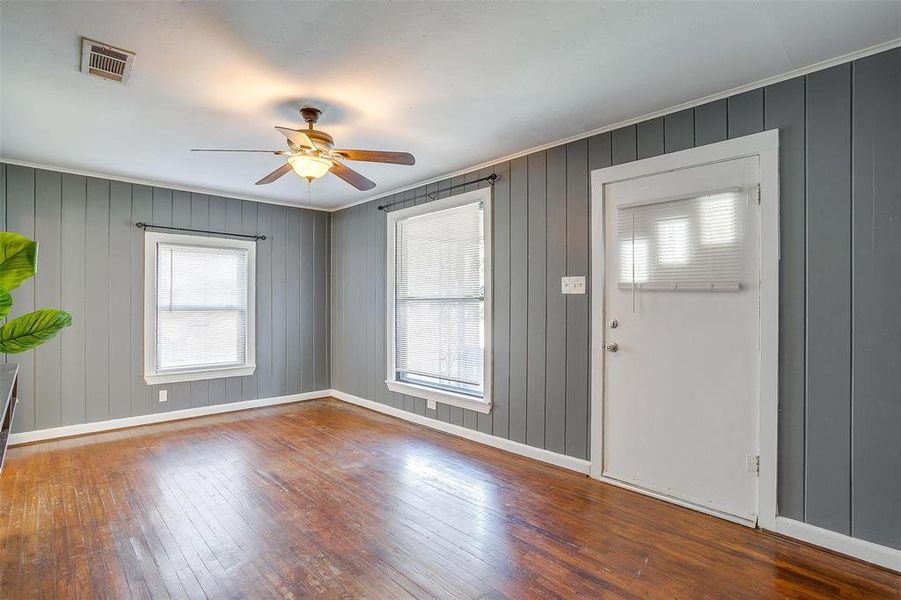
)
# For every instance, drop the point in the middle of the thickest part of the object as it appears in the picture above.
(681, 332)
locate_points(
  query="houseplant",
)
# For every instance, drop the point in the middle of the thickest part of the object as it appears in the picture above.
(18, 262)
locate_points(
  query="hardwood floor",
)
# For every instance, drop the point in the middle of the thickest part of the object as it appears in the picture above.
(326, 499)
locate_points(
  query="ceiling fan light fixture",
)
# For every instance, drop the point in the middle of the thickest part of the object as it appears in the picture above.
(309, 167)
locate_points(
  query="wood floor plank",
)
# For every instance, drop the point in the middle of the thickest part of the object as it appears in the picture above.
(325, 499)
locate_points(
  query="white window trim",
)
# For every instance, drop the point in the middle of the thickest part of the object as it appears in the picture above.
(482, 405)
(151, 239)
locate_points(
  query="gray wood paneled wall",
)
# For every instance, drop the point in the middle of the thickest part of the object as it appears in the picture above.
(91, 263)
(840, 303)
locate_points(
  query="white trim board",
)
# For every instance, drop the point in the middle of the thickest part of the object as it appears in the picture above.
(52, 433)
(567, 462)
(765, 146)
(890, 558)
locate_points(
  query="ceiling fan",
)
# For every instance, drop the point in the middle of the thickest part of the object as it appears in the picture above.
(311, 155)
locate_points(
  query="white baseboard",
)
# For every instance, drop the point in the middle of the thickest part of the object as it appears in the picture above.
(844, 544)
(175, 415)
(567, 462)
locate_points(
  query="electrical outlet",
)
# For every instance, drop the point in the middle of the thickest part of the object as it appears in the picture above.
(572, 285)
(164, 395)
(430, 404)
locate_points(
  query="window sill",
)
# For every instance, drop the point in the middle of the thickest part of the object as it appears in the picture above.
(427, 393)
(157, 378)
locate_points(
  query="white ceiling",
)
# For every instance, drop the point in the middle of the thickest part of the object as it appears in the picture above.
(456, 84)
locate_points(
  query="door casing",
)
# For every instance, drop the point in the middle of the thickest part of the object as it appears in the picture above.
(765, 146)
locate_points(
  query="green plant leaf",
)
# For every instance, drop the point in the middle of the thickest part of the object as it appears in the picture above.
(31, 330)
(18, 259)
(6, 302)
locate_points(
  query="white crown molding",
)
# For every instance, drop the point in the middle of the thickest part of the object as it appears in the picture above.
(157, 184)
(567, 462)
(53, 433)
(851, 56)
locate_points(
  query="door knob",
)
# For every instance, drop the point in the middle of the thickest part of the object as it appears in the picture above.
(611, 347)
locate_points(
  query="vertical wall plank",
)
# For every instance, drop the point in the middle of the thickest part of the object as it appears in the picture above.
(828, 344)
(519, 291)
(120, 226)
(97, 300)
(501, 309)
(308, 296)
(20, 219)
(376, 274)
(279, 306)
(162, 215)
(577, 322)
(650, 138)
(711, 122)
(200, 219)
(785, 110)
(292, 298)
(180, 393)
(141, 210)
(679, 130)
(625, 145)
(746, 113)
(47, 357)
(264, 300)
(537, 299)
(322, 340)
(72, 292)
(555, 351)
(876, 354)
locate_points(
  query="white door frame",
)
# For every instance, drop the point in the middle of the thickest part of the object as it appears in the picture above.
(765, 145)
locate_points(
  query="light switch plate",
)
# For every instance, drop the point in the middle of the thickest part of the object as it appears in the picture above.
(572, 285)
(430, 404)
(164, 395)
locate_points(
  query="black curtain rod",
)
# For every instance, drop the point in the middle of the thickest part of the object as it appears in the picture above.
(431, 195)
(250, 236)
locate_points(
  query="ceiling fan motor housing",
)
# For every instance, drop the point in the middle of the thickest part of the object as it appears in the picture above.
(310, 114)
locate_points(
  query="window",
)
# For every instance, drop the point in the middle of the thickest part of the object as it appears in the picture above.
(199, 308)
(684, 244)
(439, 299)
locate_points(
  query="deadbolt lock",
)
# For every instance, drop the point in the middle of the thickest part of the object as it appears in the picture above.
(613, 323)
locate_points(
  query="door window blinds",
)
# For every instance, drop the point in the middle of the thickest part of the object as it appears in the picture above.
(439, 299)
(686, 244)
(201, 307)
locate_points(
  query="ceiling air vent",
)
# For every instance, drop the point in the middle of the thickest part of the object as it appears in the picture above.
(103, 60)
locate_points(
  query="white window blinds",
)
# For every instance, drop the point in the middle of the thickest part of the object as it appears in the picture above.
(201, 307)
(686, 244)
(439, 299)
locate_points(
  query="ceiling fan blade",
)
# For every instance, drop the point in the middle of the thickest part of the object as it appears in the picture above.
(299, 138)
(396, 158)
(235, 150)
(351, 176)
(274, 175)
